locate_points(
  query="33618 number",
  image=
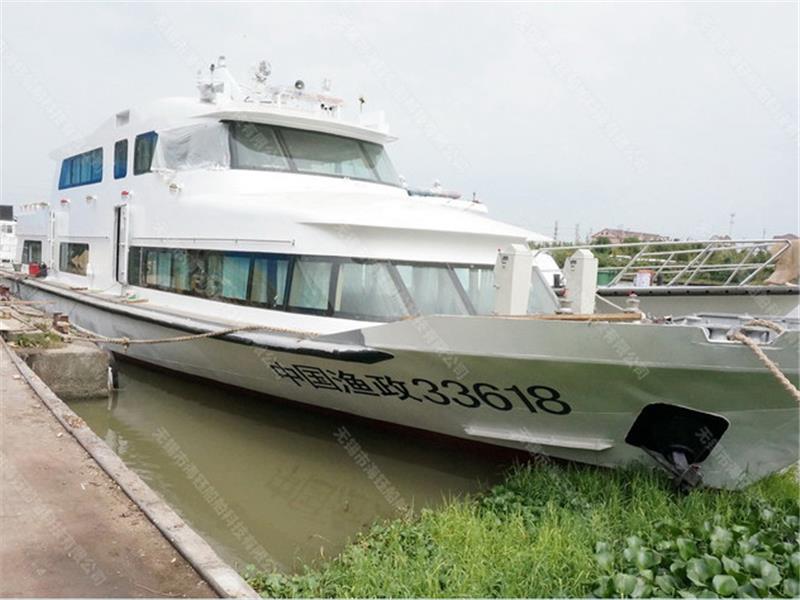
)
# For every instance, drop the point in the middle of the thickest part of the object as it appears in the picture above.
(535, 398)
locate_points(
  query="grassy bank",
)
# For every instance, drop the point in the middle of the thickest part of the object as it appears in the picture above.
(572, 531)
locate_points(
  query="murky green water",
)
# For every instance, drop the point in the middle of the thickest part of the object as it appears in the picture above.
(249, 473)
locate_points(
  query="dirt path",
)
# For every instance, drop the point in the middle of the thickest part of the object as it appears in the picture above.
(66, 529)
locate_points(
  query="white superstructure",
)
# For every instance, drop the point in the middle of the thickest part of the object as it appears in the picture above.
(275, 172)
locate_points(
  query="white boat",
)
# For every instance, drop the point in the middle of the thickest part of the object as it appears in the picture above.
(264, 221)
(8, 238)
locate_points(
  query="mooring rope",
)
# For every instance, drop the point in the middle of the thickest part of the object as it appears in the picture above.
(772, 367)
(776, 327)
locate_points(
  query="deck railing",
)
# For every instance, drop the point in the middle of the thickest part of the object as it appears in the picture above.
(675, 263)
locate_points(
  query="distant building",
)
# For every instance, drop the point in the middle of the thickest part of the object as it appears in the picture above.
(617, 236)
(785, 236)
(724, 241)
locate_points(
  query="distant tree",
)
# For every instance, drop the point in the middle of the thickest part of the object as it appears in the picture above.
(602, 240)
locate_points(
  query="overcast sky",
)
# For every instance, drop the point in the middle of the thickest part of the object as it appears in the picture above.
(653, 116)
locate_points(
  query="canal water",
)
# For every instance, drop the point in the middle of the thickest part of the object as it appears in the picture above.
(267, 482)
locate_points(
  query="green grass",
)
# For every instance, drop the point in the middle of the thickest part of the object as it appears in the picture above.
(39, 339)
(573, 531)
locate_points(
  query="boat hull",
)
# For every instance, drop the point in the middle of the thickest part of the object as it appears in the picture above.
(567, 390)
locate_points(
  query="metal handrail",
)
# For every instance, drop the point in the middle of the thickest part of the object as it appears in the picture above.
(682, 265)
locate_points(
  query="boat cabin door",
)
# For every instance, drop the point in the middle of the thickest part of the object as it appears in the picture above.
(121, 222)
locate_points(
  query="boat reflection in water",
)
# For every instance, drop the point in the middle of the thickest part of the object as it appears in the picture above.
(259, 478)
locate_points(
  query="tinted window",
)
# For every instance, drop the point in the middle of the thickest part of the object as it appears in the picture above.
(314, 152)
(120, 159)
(268, 285)
(433, 289)
(181, 271)
(31, 251)
(134, 265)
(143, 150)
(479, 285)
(367, 289)
(357, 289)
(381, 163)
(255, 146)
(235, 276)
(310, 287)
(73, 258)
(81, 169)
(259, 146)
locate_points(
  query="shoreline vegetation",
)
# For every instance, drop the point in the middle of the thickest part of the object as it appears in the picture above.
(573, 531)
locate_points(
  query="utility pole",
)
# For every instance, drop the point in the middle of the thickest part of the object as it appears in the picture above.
(730, 225)
(555, 231)
(577, 233)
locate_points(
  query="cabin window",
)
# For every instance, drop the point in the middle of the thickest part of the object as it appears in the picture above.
(134, 266)
(373, 290)
(478, 282)
(198, 146)
(120, 159)
(255, 146)
(143, 149)
(268, 147)
(311, 283)
(81, 169)
(235, 276)
(380, 162)
(324, 154)
(73, 258)
(434, 289)
(31, 251)
(367, 289)
(268, 285)
(158, 268)
(181, 271)
(164, 269)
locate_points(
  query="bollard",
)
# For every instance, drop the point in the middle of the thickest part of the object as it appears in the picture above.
(581, 274)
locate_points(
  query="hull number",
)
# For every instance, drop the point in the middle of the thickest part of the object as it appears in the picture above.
(534, 398)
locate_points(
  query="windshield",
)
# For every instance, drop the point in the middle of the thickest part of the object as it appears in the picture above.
(267, 147)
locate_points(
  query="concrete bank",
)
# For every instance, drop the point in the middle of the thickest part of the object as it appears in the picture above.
(78, 524)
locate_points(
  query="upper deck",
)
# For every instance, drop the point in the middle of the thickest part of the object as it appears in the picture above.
(222, 98)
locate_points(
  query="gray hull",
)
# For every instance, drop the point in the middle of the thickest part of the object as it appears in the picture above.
(569, 390)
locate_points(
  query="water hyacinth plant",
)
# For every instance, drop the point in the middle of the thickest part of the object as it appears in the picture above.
(753, 560)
